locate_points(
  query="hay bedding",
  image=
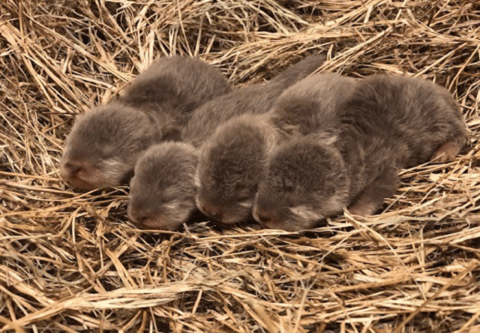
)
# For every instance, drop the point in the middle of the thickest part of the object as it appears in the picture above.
(70, 262)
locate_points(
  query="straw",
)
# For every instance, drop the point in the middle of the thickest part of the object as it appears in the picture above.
(70, 261)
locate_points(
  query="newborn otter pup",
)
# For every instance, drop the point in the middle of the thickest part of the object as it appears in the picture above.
(388, 123)
(233, 160)
(106, 142)
(162, 192)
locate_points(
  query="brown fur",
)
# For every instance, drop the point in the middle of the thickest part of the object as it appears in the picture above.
(233, 161)
(161, 195)
(254, 99)
(106, 142)
(388, 123)
(148, 193)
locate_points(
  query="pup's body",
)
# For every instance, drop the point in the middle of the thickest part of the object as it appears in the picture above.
(388, 123)
(169, 159)
(233, 160)
(254, 99)
(105, 143)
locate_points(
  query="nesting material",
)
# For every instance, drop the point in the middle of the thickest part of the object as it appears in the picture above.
(71, 261)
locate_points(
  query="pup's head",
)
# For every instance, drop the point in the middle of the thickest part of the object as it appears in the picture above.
(104, 145)
(232, 163)
(306, 181)
(162, 192)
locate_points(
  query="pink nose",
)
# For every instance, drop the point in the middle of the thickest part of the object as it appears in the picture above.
(213, 212)
(70, 169)
(139, 218)
(145, 219)
(264, 216)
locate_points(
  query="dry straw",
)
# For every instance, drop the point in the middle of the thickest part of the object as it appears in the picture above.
(70, 261)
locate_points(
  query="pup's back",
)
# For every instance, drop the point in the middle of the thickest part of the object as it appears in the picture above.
(176, 85)
(312, 104)
(105, 143)
(255, 99)
(233, 160)
(413, 117)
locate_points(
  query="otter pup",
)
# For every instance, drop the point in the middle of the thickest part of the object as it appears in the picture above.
(105, 143)
(163, 189)
(232, 161)
(387, 123)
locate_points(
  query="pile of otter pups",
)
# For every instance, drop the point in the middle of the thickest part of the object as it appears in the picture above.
(291, 152)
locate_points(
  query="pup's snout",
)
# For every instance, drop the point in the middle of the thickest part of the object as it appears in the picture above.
(139, 217)
(70, 169)
(77, 174)
(212, 212)
(264, 217)
(73, 168)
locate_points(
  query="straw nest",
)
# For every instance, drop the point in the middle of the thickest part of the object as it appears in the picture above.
(71, 261)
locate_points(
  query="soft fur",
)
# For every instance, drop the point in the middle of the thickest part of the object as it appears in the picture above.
(388, 123)
(233, 160)
(254, 99)
(232, 163)
(305, 181)
(161, 195)
(106, 142)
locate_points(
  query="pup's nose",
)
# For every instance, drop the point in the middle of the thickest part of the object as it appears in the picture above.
(262, 216)
(215, 215)
(138, 216)
(149, 220)
(213, 212)
(73, 168)
(69, 169)
(141, 219)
